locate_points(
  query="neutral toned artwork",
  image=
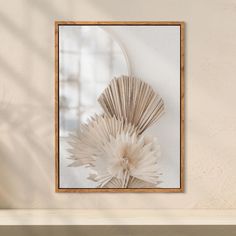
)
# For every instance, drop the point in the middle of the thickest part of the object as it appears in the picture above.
(112, 144)
(119, 110)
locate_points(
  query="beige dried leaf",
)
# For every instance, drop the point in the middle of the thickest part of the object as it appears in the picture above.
(134, 100)
(112, 145)
(93, 136)
(124, 157)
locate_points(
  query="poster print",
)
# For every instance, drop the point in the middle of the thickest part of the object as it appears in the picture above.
(119, 117)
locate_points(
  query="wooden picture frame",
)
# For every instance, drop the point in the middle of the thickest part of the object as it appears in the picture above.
(119, 23)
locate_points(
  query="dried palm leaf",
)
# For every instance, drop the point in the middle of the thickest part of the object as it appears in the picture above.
(133, 100)
(113, 145)
(93, 136)
(125, 157)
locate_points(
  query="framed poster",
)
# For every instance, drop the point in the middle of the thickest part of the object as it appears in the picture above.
(119, 106)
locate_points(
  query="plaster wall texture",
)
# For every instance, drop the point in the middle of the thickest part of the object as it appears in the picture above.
(27, 101)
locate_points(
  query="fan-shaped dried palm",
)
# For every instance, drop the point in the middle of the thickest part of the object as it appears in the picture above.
(93, 136)
(127, 161)
(133, 100)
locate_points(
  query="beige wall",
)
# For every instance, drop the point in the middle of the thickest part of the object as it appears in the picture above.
(27, 91)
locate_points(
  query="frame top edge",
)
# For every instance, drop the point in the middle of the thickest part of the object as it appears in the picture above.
(170, 23)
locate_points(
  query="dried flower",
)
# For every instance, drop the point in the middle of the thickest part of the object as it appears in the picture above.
(113, 145)
(125, 158)
(134, 100)
(116, 154)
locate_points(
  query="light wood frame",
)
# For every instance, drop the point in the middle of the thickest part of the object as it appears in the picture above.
(121, 23)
